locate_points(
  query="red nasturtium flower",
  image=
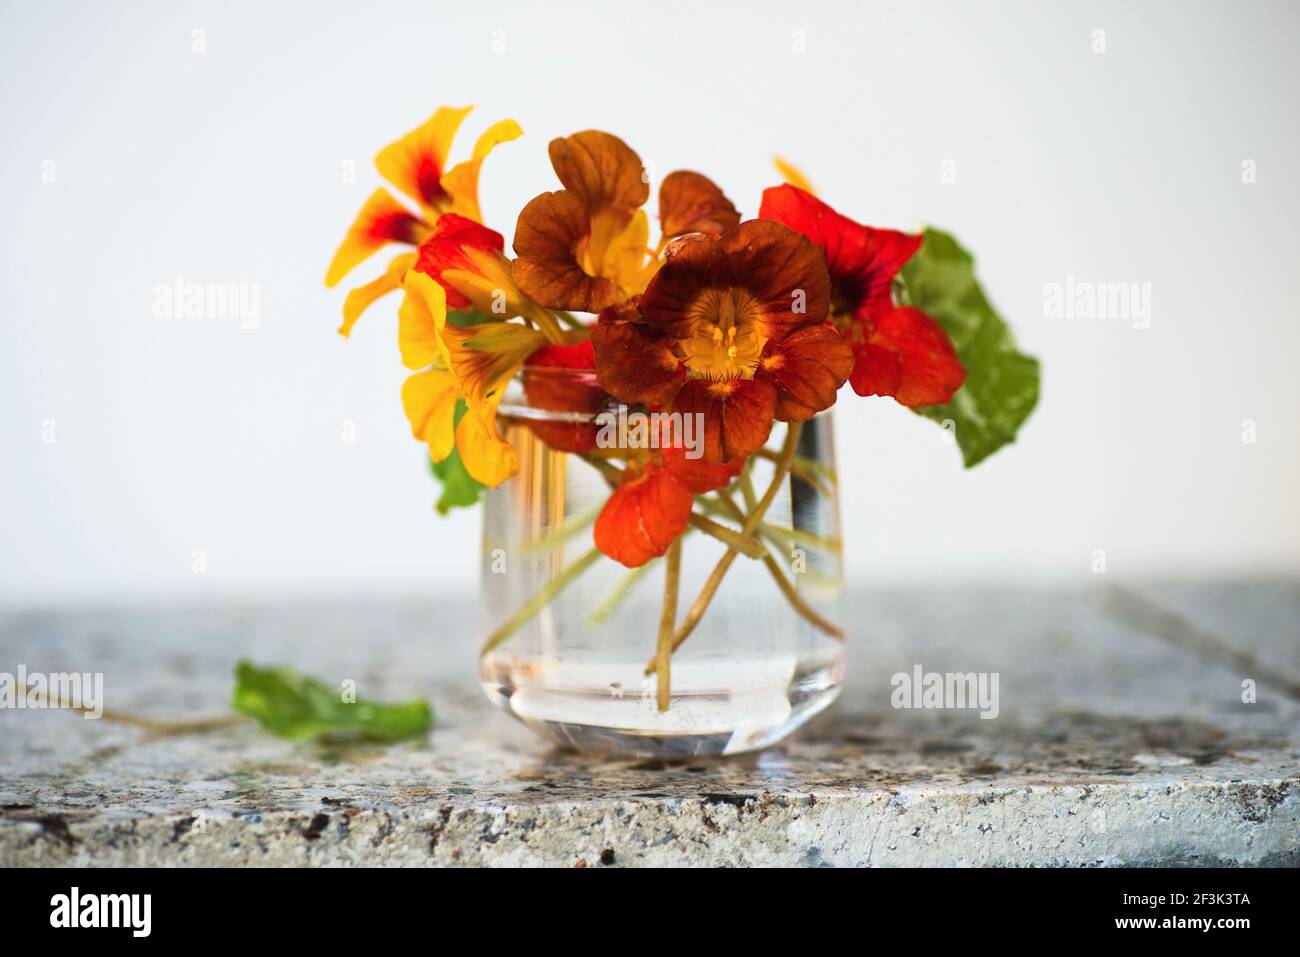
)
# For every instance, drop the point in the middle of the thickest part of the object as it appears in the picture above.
(466, 258)
(898, 351)
(734, 328)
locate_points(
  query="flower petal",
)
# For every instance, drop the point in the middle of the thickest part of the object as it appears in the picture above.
(382, 220)
(486, 456)
(461, 181)
(792, 175)
(909, 356)
(876, 370)
(694, 265)
(782, 269)
(647, 511)
(862, 261)
(699, 475)
(449, 247)
(486, 356)
(361, 298)
(429, 399)
(625, 258)
(416, 162)
(691, 203)
(550, 229)
(807, 367)
(422, 312)
(737, 414)
(634, 362)
(601, 171)
(561, 378)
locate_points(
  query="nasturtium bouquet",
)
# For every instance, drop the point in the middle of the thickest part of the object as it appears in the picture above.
(720, 328)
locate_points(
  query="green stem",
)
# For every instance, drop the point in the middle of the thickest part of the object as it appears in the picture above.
(546, 321)
(558, 536)
(601, 612)
(810, 470)
(540, 600)
(786, 538)
(751, 547)
(155, 726)
(701, 604)
(667, 621)
(747, 485)
(786, 586)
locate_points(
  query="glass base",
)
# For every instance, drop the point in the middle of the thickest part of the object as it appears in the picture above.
(580, 707)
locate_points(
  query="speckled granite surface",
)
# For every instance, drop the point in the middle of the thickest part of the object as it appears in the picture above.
(1122, 739)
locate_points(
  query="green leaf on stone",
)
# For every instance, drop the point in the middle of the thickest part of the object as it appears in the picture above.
(297, 707)
(1001, 387)
(459, 488)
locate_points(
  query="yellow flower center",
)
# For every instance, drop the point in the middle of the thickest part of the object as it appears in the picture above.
(727, 339)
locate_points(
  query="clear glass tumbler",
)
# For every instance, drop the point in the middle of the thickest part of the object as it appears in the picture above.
(574, 634)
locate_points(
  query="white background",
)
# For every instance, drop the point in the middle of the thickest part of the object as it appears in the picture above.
(176, 435)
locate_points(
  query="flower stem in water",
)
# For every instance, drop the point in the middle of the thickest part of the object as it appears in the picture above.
(540, 600)
(667, 621)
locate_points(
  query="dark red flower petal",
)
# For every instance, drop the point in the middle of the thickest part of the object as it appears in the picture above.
(807, 367)
(601, 171)
(547, 236)
(692, 203)
(783, 270)
(635, 362)
(647, 511)
(778, 276)
(737, 414)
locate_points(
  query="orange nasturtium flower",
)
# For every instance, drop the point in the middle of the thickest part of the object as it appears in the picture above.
(653, 501)
(584, 247)
(417, 165)
(733, 328)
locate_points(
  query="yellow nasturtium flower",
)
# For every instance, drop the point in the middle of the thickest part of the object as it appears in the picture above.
(416, 165)
(473, 363)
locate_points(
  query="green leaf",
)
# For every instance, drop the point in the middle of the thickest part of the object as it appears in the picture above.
(1001, 387)
(295, 706)
(459, 488)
